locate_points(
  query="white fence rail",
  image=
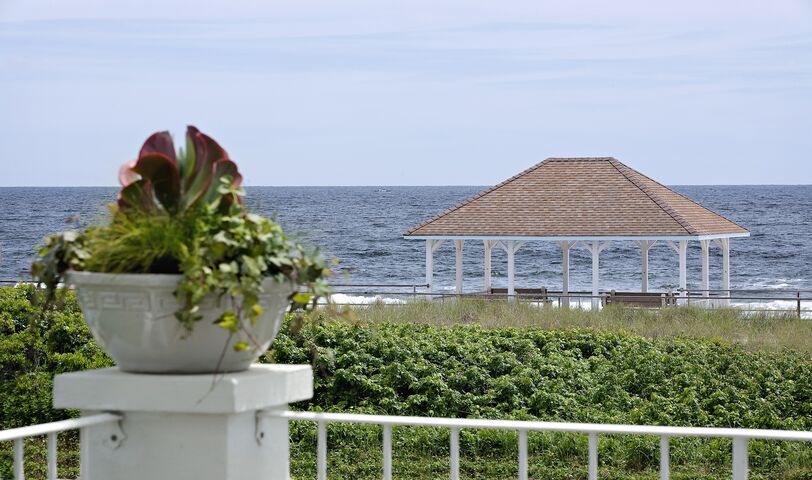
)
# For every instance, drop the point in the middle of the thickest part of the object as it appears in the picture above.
(740, 437)
(50, 430)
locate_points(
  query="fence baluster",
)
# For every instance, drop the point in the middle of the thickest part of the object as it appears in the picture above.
(522, 454)
(52, 456)
(593, 456)
(322, 450)
(455, 453)
(387, 452)
(740, 467)
(665, 458)
(19, 472)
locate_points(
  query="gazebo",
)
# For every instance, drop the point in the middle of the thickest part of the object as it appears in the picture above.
(579, 202)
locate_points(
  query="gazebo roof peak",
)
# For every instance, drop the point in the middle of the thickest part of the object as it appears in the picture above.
(578, 197)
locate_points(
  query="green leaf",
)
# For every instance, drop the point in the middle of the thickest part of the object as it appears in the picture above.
(229, 321)
(302, 298)
(241, 346)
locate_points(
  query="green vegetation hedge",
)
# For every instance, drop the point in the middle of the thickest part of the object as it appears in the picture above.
(35, 345)
(573, 376)
(469, 371)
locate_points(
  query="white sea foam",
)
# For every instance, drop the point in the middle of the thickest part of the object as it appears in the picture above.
(344, 299)
(788, 306)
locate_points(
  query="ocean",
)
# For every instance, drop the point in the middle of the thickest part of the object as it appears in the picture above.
(362, 227)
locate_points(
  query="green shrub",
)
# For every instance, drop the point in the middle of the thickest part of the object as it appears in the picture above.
(467, 371)
(34, 346)
(528, 373)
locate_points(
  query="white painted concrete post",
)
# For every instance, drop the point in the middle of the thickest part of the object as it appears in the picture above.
(458, 246)
(488, 252)
(705, 244)
(511, 253)
(565, 272)
(186, 426)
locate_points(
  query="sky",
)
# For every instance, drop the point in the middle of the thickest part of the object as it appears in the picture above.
(372, 92)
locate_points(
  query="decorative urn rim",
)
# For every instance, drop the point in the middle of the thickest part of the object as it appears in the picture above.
(124, 279)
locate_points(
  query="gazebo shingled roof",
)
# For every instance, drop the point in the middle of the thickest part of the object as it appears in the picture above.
(580, 202)
(578, 197)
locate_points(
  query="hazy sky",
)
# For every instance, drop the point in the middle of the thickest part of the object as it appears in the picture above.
(368, 92)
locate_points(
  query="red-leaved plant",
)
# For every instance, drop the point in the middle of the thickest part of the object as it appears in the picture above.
(159, 180)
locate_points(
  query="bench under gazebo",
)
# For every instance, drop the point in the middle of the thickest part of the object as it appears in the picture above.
(579, 202)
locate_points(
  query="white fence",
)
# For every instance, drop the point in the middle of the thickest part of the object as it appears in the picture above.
(123, 445)
(50, 430)
(739, 437)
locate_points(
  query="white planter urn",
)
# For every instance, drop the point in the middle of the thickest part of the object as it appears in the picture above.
(132, 317)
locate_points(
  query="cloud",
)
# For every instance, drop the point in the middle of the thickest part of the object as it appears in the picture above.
(355, 89)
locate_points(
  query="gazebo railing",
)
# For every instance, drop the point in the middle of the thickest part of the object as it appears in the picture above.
(795, 302)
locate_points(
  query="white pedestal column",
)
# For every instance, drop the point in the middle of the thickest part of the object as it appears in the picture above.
(186, 426)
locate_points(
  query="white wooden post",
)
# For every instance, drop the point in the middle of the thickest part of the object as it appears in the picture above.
(431, 247)
(645, 246)
(511, 254)
(430, 264)
(596, 252)
(186, 426)
(458, 245)
(705, 244)
(596, 247)
(725, 244)
(683, 267)
(726, 266)
(488, 251)
(565, 272)
(681, 247)
(511, 247)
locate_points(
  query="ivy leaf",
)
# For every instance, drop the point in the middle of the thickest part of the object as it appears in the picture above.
(229, 321)
(302, 298)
